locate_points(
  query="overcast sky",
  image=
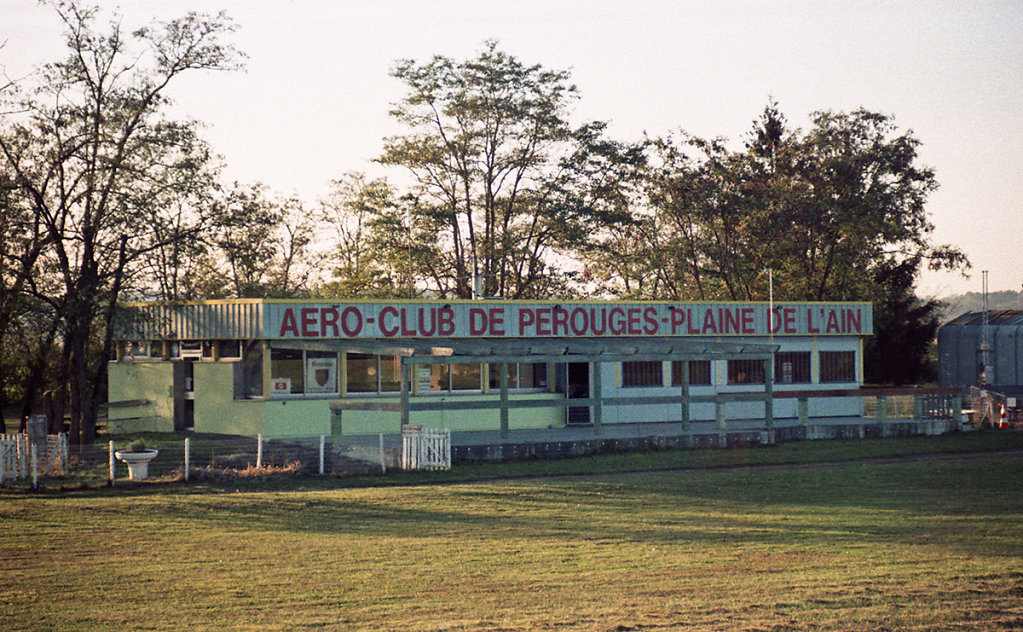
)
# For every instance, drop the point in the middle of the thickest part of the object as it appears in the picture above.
(313, 102)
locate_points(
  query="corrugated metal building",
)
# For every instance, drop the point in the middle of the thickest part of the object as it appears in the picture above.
(279, 368)
(961, 350)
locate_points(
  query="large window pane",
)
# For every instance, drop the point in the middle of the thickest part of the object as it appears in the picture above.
(792, 367)
(745, 371)
(533, 375)
(390, 373)
(285, 368)
(838, 366)
(699, 372)
(466, 377)
(495, 376)
(647, 373)
(362, 373)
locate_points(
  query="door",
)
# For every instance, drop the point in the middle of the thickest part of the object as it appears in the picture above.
(577, 387)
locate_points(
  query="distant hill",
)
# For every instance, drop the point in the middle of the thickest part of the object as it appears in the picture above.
(974, 302)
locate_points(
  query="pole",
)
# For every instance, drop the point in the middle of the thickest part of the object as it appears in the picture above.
(259, 452)
(383, 463)
(323, 441)
(188, 456)
(111, 463)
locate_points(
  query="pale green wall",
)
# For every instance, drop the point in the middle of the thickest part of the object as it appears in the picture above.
(370, 422)
(216, 409)
(141, 380)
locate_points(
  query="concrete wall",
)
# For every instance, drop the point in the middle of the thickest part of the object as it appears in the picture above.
(151, 381)
(355, 422)
(216, 409)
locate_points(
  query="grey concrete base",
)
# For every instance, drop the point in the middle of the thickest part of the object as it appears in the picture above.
(555, 443)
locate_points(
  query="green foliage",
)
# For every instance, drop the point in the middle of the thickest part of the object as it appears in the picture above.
(501, 177)
(98, 177)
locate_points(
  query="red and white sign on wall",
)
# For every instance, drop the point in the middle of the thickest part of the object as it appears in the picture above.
(491, 319)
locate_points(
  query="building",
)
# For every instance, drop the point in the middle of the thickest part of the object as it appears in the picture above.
(972, 353)
(307, 368)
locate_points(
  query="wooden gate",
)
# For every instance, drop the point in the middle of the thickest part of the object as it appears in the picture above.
(425, 448)
(16, 456)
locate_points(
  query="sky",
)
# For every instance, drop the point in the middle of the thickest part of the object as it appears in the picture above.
(312, 103)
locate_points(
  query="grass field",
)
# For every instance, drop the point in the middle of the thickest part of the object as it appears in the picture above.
(921, 544)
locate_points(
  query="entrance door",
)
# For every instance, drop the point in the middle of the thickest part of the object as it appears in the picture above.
(577, 387)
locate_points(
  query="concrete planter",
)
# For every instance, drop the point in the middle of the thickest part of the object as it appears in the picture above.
(138, 462)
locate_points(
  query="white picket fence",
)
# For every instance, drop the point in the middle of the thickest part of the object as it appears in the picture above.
(20, 458)
(425, 448)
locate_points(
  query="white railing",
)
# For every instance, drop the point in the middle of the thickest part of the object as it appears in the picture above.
(425, 448)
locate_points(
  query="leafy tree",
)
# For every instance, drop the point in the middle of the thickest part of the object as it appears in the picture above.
(89, 151)
(373, 233)
(904, 328)
(495, 165)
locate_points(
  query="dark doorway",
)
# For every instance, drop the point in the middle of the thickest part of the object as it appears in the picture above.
(577, 387)
(184, 392)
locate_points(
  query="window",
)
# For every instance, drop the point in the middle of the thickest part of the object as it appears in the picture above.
(286, 371)
(838, 366)
(526, 375)
(646, 373)
(301, 372)
(372, 373)
(699, 372)
(320, 372)
(251, 383)
(495, 376)
(792, 367)
(745, 371)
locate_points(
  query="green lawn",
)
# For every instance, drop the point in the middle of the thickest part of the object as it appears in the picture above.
(930, 544)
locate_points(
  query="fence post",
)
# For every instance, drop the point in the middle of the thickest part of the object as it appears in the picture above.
(383, 463)
(259, 452)
(323, 441)
(35, 466)
(188, 456)
(3, 459)
(111, 463)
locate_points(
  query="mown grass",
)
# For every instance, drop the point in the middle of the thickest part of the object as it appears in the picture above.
(929, 544)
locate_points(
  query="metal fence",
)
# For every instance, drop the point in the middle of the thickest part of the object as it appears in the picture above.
(201, 458)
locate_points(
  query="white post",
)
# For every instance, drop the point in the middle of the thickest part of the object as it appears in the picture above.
(35, 466)
(111, 463)
(64, 452)
(323, 441)
(23, 451)
(383, 463)
(259, 453)
(3, 459)
(188, 456)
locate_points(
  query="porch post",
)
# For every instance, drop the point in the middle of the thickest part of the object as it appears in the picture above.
(598, 409)
(504, 400)
(403, 376)
(684, 363)
(769, 392)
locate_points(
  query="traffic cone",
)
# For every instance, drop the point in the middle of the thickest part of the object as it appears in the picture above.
(1003, 419)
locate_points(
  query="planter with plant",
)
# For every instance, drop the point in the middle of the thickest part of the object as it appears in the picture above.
(137, 456)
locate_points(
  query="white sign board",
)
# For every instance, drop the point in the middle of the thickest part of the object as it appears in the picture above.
(321, 375)
(280, 386)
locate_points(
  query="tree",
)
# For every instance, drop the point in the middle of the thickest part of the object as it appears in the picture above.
(89, 151)
(494, 161)
(375, 250)
(837, 213)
